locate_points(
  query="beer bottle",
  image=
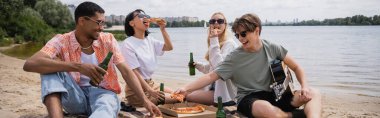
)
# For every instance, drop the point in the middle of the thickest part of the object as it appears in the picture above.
(106, 60)
(220, 113)
(191, 65)
(104, 65)
(162, 90)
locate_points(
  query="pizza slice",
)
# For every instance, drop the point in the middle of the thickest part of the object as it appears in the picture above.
(178, 97)
(155, 20)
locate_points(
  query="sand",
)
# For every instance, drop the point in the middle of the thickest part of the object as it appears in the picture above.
(20, 95)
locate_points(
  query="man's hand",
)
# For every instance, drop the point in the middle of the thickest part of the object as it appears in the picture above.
(153, 109)
(156, 94)
(305, 94)
(94, 72)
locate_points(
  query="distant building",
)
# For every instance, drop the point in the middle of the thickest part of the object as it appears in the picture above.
(183, 18)
(120, 19)
(109, 19)
(113, 18)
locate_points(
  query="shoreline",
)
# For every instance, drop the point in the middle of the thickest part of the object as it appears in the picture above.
(21, 95)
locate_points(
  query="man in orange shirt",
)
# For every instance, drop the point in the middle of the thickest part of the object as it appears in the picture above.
(65, 82)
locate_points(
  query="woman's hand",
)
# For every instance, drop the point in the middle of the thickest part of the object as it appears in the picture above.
(193, 64)
(156, 94)
(181, 91)
(214, 33)
(161, 23)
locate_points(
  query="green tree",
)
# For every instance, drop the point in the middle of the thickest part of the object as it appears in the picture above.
(8, 10)
(32, 27)
(108, 24)
(3, 34)
(174, 24)
(55, 14)
(376, 20)
(30, 3)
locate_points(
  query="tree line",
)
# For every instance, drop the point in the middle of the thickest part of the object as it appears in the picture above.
(184, 24)
(33, 20)
(354, 20)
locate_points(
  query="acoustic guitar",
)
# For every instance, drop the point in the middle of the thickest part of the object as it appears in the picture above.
(282, 79)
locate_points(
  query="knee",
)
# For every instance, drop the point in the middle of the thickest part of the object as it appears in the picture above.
(52, 98)
(315, 93)
(54, 78)
(263, 109)
(111, 101)
(190, 97)
(115, 103)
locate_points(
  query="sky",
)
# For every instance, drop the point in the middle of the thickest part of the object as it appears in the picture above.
(270, 10)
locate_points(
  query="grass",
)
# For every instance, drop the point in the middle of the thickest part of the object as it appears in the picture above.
(6, 42)
(118, 34)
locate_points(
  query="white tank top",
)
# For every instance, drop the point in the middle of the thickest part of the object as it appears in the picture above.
(88, 59)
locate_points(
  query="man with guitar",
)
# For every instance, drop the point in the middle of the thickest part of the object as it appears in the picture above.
(251, 68)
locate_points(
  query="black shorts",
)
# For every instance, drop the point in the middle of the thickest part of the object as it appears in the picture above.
(245, 105)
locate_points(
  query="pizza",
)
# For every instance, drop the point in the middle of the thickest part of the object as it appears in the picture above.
(189, 110)
(178, 97)
(155, 20)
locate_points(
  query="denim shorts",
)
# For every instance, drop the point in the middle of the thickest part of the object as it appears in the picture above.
(89, 100)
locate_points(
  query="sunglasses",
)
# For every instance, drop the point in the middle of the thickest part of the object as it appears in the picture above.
(99, 22)
(243, 34)
(140, 15)
(219, 21)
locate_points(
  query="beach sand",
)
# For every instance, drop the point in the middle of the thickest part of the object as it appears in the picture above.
(20, 95)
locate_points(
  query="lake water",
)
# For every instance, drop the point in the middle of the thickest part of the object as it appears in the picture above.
(335, 58)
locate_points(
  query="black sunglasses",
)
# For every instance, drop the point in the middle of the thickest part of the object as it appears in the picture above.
(243, 34)
(213, 21)
(140, 15)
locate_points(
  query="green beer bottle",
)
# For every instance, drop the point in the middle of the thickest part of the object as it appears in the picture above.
(191, 65)
(162, 90)
(220, 113)
(106, 60)
(104, 65)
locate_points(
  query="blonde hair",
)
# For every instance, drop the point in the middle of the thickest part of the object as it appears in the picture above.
(221, 39)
